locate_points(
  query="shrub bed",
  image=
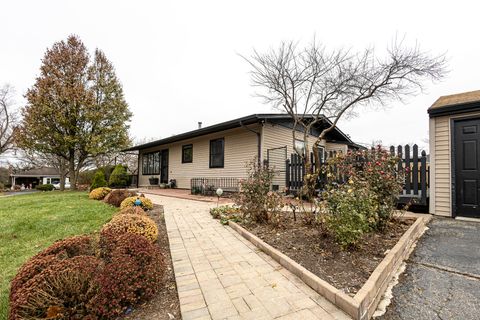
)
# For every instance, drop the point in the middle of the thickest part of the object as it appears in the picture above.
(131, 223)
(99, 193)
(132, 210)
(133, 272)
(63, 290)
(115, 197)
(92, 277)
(44, 187)
(130, 202)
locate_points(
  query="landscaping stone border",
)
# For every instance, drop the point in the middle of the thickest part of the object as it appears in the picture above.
(364, 303)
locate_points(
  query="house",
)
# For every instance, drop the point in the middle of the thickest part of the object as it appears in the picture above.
(454, 155)
(35, 177)
(218, 153)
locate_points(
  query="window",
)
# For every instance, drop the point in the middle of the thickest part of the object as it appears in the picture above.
(322, 154)
(187, 153)
(151, 163)
(300, 146)
(217, 148)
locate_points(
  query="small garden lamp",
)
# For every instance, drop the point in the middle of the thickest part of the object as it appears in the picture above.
(137, 202)
(219, 194)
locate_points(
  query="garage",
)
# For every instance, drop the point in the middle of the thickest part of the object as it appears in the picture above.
(454, 155)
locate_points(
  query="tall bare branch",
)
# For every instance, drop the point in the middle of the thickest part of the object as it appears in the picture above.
(8, 119)
(315, 85)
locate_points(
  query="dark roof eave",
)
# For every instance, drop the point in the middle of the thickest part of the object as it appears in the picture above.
(453, 109)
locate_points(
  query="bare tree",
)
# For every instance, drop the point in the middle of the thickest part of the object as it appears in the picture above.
(8, 119)
(314, 85)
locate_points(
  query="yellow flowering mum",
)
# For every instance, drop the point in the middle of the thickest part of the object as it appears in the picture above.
(132, 223)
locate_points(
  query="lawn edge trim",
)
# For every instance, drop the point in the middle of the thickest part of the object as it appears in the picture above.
(364, 303)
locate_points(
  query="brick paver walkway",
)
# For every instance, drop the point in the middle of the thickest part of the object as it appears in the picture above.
(220, 275)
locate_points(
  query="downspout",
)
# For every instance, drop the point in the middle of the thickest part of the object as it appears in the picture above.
(259, 141)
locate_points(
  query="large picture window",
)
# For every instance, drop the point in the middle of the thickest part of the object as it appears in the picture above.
(151, 163)
(187, 153)
(217, 149)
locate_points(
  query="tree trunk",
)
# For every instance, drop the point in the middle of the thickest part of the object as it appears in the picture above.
(316, 156)
(62, 170)
(73, 177)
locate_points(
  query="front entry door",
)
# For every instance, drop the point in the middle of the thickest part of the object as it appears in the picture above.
(467, 167)
(164, 166)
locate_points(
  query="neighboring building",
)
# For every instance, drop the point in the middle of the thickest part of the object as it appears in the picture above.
(35, 177)
(454, 155)
(222, 150)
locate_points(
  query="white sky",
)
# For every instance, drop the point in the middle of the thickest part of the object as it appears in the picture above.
(179, 64)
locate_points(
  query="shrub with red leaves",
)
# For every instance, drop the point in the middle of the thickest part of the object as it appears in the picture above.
(63, 290)
(133, 272)
(67, 248)
(115, 197)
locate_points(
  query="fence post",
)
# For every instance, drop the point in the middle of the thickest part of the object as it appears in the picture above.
(408, 174)
(423, 178)
(400, 159)
(287, 175)
(415, 169)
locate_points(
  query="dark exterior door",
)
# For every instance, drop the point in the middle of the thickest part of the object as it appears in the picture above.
(467, 167)
(164, 166)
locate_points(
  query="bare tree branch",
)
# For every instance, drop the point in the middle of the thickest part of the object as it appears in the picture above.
(313, 84)
(8, 119)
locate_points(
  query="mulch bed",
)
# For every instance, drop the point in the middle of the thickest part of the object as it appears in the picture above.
(318, 252)
(165, 305)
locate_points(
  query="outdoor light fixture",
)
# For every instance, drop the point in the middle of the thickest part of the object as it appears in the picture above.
(219, 194)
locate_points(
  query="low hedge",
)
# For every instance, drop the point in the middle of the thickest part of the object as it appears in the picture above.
(146, 204)
(65, 289)
(86, 277)
(45, 187)
(132, 210)
(99, 193)
(115, 197)
(133, 272)
(131, 223)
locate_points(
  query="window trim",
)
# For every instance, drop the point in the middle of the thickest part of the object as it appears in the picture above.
(222, 165)
(184, 147)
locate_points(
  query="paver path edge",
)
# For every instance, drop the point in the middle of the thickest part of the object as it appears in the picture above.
(220, 275)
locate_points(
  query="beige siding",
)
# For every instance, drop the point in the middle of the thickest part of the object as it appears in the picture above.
(330, 146)
(240, 147)
(440, 164)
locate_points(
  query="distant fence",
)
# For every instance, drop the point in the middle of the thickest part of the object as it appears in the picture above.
(414, 167)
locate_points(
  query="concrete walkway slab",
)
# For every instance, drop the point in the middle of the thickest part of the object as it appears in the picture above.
(220, 275)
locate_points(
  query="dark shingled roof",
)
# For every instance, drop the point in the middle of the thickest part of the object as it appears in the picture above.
(37, 172)
(456, 103)
(251, 119)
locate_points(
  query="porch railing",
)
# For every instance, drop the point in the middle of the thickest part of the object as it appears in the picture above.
(208, 186)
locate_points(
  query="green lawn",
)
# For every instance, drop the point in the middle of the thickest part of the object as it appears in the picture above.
(30, 223)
